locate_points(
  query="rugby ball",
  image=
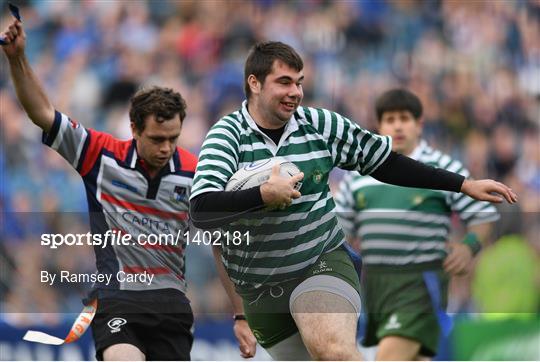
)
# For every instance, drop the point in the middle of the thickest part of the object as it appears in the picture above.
(258, 172)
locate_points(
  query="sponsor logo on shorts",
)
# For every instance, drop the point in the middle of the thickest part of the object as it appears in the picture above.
(115, 324)
(322, 267)
(392, 323)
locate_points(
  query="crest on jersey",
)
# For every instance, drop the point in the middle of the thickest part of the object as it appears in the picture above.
(361, 200)
(179, 194)
(317, 176)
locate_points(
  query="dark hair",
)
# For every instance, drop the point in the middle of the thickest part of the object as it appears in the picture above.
(164, 103)
(261, 58)
(398, 100)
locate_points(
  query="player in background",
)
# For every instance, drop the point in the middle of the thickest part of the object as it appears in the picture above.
(147, 177)
(402, 236)
(294, 281)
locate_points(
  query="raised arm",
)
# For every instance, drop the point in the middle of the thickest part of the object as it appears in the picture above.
(29, 90)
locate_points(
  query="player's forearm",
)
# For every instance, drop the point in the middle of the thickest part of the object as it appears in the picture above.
(217, 209)
(235, 299)
(30, 93)
(404, 171)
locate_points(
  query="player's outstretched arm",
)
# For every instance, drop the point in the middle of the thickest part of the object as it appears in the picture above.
(401, 170)
(29, 90)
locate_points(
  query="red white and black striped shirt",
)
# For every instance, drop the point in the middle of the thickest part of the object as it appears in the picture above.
(122, 197)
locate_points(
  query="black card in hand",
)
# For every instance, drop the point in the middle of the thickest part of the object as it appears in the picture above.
(15, 11)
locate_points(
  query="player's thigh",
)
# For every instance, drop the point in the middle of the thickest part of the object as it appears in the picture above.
(326, 305)
(327, 323)
(268, 314)
(393, 348)
(400, 305)
(123, 352)
(319, 314)
(116, 323)
(173, 338)
(333, 275)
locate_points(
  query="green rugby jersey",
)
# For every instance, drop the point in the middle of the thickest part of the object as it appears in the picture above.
(283, 244)
(405, 226)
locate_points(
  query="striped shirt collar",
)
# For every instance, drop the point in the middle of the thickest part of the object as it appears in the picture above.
(291, 126)
(417, 152)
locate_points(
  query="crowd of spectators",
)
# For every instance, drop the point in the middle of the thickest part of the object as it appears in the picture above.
(474, 64)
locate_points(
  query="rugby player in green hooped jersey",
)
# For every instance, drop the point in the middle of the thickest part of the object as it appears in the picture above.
(294, 284)
(402, 236)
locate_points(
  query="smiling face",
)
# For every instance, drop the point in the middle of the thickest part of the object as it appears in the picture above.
(275, 99)
(157, 141)
(404, 129)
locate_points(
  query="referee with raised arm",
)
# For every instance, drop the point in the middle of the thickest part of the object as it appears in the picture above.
(138, 187)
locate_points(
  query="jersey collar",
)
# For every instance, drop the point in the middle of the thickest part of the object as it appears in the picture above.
(417, 152)
(133, 158)
(290, 127)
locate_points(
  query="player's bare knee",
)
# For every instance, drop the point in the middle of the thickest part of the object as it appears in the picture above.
(331, 346)
(334, 351)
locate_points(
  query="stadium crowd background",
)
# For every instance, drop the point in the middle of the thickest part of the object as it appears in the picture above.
(474, 64)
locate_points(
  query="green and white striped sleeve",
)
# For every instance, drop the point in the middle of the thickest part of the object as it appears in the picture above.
(470, 211)
(218, 159)
(345, 205)
(352, 147)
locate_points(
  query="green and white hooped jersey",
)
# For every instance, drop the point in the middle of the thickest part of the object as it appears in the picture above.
(282, 245)
(405, 226)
